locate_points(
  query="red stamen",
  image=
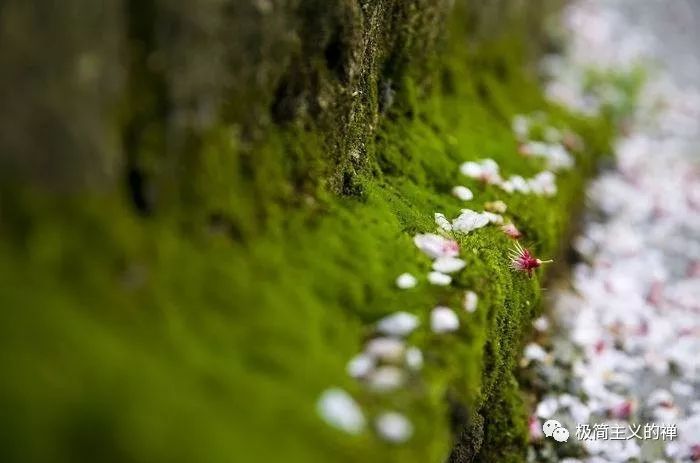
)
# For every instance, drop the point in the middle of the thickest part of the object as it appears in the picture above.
(523, 261)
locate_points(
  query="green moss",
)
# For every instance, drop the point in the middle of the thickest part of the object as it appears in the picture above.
(206, 330)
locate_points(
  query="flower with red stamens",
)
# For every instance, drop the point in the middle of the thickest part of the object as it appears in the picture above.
(523, 261)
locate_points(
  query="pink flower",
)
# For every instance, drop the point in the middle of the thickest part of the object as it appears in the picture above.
(523, 261)
(622, 411)
(436, 246)
(535, 428)
(695, 452)
(510, 230)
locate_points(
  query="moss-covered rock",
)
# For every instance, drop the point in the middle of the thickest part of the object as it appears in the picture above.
(206, 204)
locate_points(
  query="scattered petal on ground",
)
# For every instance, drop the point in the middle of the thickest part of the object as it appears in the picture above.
(360, 365)
(463, 193)
(448, 264)
(439, 279)
(470, 301)
(341, 411)
(627, 332)
(443, 320)
(406, 281)
(414, 358)
(497, 207)
(386, 378)
(435, 246)
(393, 427)
(469, 220)
(511, 230)
(442, 222)
(398, 324)
(387, 349)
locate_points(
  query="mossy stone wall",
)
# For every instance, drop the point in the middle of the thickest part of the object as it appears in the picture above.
(204, 205)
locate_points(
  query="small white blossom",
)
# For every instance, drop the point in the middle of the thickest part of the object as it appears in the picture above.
(470, 301)
(439, 279)
(442, 222)
(463, 193)
(394, 427)
(414, 358)
(398, 324)
(387, 349)
(559, 158)
(469, 220)
(555, 154)
(489, 167)
(448, 264)
(534, 148)
(435, 245)
(519, 184)
(443, 320)
(499, 207)
(543, 183)
(386, 378)
(681, 388)
(406, 281)
(507, 186)
(471, 169)
(541, 324)
(521, 126)
(341, 411)
(547, 408)
(486, 170)
(493, 218)
(535, 352)
(360, 366)
(660, 397)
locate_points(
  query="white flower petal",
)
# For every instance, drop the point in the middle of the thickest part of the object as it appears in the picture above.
(443, 320)
(406, 281)
(471, 169)
(547, 408)
(414, 358)
(493, 218)
(360, 365)
(435, 245)
(469, 220)
(442, 222)
(463, 193)
(448, 264)
(439, 279)
(498, 207)
(386, 349)
(394, 427)
(398, 324)
(341, 411)
(535, 352)
(386, 378)
(541, 324)
(470, 301)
